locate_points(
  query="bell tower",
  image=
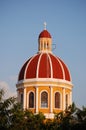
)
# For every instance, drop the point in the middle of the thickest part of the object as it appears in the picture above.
(45, 41)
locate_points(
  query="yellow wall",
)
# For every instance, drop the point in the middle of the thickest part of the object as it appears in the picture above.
(46, 88)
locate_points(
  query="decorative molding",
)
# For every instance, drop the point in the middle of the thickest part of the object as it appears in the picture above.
(44, 80)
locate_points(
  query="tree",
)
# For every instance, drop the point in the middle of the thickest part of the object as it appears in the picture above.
(65, 119)
(16, 118)
(5, 106)
(13, 117)
(80, 119)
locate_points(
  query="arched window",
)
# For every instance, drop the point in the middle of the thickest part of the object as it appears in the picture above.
(66, 101)
(44, 99)
(31, 100)
(57, 100)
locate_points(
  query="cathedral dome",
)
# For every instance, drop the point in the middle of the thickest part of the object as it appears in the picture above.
(44, 81)
(44, 65)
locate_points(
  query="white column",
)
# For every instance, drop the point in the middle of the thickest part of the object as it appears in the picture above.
(24, 99)
(18, 96)
(70, 103)
(63, 99)
(43, 46)
(46, 46)
(51, 99)
(36, 99)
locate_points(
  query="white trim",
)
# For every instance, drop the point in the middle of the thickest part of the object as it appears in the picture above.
(44, 85)
(28, 64)
(37, 70)
(67, 69)
(28, 99)
(47, 68)
(51, 99)
(51, 68)
(18, 96)
(24, 99)
(44, 90)
(60, 65)
(63, 99)
(62, 68)
(45, 51)
(45, 80)
(70, 97)
(37, 99)
(42, 42)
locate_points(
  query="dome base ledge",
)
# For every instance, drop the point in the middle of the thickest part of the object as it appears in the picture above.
(40, 81)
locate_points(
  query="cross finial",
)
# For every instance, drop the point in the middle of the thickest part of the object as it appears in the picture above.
(45, 25)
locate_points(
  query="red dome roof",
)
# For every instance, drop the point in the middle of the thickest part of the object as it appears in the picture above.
(44, 34)
(44, 65)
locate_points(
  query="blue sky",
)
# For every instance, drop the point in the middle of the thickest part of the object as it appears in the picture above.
(21, 21)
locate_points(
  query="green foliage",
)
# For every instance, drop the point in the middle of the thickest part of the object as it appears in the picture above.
(12, 117)
(5, 107)
(72, 118)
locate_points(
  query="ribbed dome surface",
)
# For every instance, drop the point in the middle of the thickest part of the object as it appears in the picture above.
(44, 65)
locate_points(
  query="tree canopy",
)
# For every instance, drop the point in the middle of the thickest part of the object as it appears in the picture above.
(12, 117)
